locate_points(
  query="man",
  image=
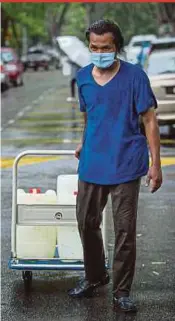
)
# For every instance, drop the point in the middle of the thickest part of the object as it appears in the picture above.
(74, 70)
(113, 157)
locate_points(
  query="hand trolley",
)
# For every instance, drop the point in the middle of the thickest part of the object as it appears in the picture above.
(44, 233)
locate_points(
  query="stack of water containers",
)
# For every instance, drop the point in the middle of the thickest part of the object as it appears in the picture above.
(46, 226)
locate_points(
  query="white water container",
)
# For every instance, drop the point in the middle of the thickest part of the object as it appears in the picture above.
(49, 197)
(67, 187)
(68, 239)
(69, 243)
(35, 241)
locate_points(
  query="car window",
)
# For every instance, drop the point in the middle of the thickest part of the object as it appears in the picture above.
(159, 64)
(140, 43)
(7, 56)
(137, 44)
(163, 46)
(36, 52)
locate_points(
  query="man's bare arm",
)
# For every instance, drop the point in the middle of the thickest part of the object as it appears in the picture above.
(79, 147)
(153, 137)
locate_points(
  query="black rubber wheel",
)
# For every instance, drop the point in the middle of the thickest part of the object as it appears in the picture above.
(27, 278)
(27, 275)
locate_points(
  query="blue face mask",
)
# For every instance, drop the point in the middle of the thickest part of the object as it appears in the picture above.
(103, 60)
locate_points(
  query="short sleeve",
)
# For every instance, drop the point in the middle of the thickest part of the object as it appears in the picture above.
(80, 96)
(144, 97)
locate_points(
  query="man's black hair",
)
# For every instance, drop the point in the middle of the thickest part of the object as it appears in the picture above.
(103, 26)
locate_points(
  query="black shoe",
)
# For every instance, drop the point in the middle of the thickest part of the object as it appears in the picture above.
(124, 304)
(85, 289)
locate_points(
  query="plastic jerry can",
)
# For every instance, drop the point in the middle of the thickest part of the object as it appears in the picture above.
(49, 197)
(35, 241)
(67, 187)
(69, 243)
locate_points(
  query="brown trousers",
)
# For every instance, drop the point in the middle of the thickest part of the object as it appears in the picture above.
(91, 200)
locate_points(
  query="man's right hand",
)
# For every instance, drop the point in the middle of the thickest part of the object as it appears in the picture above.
(78, 151)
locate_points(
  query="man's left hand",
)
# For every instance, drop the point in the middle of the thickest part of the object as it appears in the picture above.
(154, 178)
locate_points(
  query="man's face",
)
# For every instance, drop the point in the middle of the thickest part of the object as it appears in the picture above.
(102, 43)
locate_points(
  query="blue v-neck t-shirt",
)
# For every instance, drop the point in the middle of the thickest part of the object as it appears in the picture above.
(114, 150)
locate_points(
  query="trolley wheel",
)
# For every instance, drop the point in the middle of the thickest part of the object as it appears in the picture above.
(27, 277)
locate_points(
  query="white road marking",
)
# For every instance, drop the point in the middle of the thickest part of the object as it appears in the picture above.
(11, 121)
(20, 114)
(50, 90)
(66, 140)
(138, 235)
(158, 263)
(156, 273)
(143, 265)
(28, 107)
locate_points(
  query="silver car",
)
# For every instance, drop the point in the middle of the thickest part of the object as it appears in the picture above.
(161, 72)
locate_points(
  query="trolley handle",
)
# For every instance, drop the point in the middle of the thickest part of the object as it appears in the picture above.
(35, 153)
(46, 152)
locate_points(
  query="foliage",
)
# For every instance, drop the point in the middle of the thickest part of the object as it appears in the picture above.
(44, 20)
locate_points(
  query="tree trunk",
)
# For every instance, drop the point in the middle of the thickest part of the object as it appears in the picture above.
(60, 19)
(95, 11)
(18, 47)
(4, 26)
(55, 20)
(166, 17)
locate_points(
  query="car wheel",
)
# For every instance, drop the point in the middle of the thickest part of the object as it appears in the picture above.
(22, 82)
(18, 82)
(35, 68)
(2, 87)
(7, 86)
(57, 66)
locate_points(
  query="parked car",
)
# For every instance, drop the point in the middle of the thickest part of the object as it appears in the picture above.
(14, 67)
(55, 57)
(163, 43)
(135, 45)
(5, 82)
(36, 57)
(161, 72)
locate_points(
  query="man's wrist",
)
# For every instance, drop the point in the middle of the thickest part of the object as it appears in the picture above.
(156, 164)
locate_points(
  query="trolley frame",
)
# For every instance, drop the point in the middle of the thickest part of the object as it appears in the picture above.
(41, 264)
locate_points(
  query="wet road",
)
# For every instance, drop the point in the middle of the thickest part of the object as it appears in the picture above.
(53, 124)
(36, 84)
